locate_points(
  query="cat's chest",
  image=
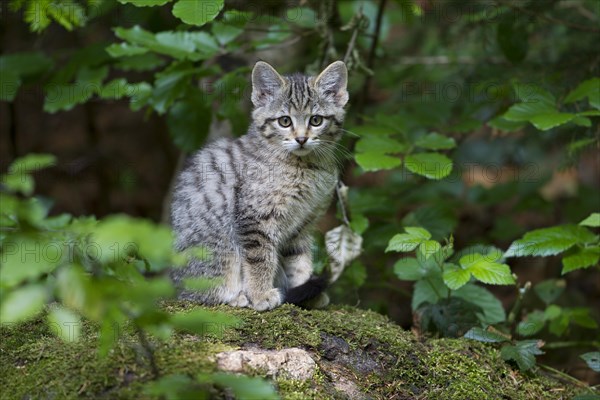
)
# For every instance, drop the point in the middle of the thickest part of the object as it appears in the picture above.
(293, 195)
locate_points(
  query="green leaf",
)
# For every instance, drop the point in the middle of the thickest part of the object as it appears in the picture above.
(359, 223)
(428, 290)
(245, 387)
(19, 67)
(452, 317)
(125, 49)
(409, 269)
(523, 353)
(176, 387)
(552, 311)
(486, 270)
(589, 89)
(429, 247)
(550, 241)
(435, 141)
(581, 258)
(142, 62)
(429, 165)
(31, 162)
(505, 125)
(28, 259)
(550, 289)
(512, 37)
(592, 359)
(301, 16)
(145, 3)
(376, 161)
(64, 323)
(485, 336)
(189, 121)
(455, 277)
(171, 85)
(23, 303)
(115, 89)
(593, 220)
(548, 121)
(225, 33)
(404, 242)
(381, 143)
(532, 324)
(534, 101)
(581, 316)
(201, 322)
(197, 12)
(492, 309)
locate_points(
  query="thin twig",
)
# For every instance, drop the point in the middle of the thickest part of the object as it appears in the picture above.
(352, 42)
(342, 205)
(552, 19)
(371, 57)
(149, 352)
(564, 375)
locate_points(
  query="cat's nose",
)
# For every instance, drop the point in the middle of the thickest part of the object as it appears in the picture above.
(301, 140)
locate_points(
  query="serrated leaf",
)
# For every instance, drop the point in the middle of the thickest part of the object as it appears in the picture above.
(429, 247)
(23, 303)
(197, 12)
(592, 359)
(492, 309)
(593, 220)
(549, 290)
(65, 324)
(343, 245)
(451, 317)
(409, 269)
(435, 141)
(404, 242)
(581, 258)
(523, 353)
(550, 241)
(487, 271)
(429, 165)
(455, 277)
(376, 161)
(532, 324)
(485, 336)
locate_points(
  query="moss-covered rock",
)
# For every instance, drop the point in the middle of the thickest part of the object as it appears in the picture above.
(359, 354)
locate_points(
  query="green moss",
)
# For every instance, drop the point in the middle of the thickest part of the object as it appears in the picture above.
(377, 357)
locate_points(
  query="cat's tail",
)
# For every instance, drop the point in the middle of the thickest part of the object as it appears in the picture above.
(307, 291)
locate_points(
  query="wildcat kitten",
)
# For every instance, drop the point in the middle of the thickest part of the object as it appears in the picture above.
(254, 201)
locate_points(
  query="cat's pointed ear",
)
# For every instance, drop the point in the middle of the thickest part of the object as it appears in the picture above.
(331, 83)
(265, 83)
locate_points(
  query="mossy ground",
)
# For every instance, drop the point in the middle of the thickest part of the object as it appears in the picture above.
(382, 360)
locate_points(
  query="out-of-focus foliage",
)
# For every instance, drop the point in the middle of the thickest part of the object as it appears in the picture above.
(462, 117)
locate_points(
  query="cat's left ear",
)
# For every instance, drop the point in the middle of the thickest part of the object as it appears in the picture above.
(331, 83)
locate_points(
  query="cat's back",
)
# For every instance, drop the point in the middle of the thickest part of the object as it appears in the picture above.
(203, 193)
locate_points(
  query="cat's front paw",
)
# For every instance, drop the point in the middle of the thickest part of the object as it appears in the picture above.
(241, 300)
(266, 300)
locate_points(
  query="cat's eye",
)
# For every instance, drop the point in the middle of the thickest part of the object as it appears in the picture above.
(285, 121)
(316, 120)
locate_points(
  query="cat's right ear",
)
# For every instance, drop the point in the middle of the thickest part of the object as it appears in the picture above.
(265, 83)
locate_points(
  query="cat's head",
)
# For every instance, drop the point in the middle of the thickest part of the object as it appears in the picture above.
(297, 112)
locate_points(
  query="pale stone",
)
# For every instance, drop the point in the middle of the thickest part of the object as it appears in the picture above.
(292, 363)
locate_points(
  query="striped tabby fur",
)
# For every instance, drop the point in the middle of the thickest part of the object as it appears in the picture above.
(254, 201)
